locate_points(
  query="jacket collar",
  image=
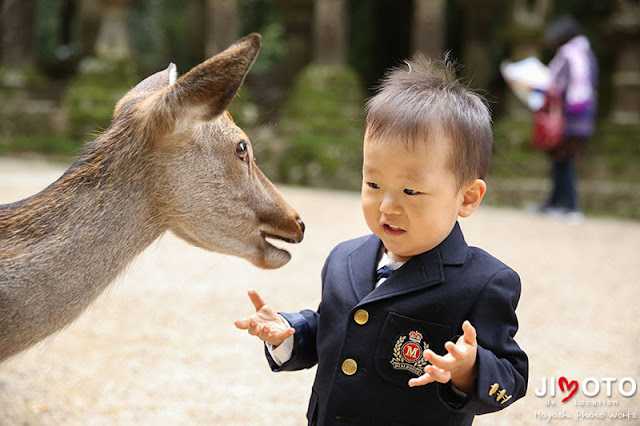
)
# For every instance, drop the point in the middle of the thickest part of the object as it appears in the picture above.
(421, 271)
(453, 250)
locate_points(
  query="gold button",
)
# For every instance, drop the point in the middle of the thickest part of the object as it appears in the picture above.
(361, 316)
(349, 367)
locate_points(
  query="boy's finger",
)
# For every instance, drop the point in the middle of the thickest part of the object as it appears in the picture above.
(256, 299)
(437, 360)
(242, 324)
(438, 374)
(470, 335)
(254, 327)
(264, 332)
(425, 379)
(457, 351)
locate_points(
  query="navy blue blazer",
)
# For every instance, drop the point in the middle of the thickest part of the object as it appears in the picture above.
(368, 342)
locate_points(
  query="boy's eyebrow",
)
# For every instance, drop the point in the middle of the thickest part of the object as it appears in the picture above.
(409, 175)
(368, 169)
(414, 174)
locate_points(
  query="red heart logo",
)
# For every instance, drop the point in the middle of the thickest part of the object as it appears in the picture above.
(572, 387)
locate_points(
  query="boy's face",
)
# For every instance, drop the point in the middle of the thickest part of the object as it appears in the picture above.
(410, 199)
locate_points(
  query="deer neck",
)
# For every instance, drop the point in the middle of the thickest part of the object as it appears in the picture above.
(61, 248)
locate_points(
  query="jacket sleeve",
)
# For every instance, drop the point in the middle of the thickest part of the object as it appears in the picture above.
(304, 353)
(502, 366)
(305, 322)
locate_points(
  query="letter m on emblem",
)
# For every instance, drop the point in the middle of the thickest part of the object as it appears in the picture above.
(411, 352)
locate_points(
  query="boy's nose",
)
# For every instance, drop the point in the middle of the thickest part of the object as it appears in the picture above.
(389, 205)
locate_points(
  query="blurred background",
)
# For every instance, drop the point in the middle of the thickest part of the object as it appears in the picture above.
(64, 64)
(160, 347)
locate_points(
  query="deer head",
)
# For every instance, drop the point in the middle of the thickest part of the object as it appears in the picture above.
(206, 186)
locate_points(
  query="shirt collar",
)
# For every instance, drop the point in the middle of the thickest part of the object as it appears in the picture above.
(453, 251)
(385, 260)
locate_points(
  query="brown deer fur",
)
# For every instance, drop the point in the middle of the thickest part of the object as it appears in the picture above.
(172, 159)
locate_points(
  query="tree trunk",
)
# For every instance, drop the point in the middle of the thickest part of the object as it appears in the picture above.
(524, 38)
(428, 27)
(299, 27)
(625, 27)
(113, 38)
(223, 27)
(196, 48)
(16, 26)
(89, 15)
(330, 32)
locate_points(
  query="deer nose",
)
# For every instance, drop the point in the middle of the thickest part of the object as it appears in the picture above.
(301, 223)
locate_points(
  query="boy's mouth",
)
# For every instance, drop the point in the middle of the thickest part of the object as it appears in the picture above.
(392, 229)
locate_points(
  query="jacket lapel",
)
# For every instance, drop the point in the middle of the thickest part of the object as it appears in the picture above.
(362, 266)
(420, 272)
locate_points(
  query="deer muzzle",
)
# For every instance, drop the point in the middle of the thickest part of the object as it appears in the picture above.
(265, 234)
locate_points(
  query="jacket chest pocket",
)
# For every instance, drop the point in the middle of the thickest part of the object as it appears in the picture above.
(400, 351)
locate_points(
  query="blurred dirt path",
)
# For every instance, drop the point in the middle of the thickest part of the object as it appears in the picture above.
(159, 347)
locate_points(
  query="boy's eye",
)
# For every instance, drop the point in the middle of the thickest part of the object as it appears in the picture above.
(411, 192)
(373, 185)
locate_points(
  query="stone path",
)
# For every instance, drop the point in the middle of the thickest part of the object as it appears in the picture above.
(159, 347)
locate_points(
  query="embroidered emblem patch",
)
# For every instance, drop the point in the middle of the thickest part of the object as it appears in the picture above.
(410, 355)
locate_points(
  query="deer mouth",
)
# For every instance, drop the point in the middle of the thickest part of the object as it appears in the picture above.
(264, 235)
(271, 256)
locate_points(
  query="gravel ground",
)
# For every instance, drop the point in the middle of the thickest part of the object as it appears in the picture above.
(159, 347)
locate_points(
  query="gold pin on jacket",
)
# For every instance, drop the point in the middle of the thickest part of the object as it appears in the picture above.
(501, 395)
(494, 388)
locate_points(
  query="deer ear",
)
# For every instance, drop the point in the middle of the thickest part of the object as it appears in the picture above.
(159, 80)
(206, 91)
(152, 84)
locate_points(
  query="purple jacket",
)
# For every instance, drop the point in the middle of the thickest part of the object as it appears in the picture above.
(574, 72)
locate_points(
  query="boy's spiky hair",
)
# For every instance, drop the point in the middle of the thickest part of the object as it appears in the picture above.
(424, 100)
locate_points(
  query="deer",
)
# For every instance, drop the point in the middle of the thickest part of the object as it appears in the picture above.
(172, 160)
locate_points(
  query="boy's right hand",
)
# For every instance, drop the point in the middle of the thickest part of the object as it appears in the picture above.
(266, 323)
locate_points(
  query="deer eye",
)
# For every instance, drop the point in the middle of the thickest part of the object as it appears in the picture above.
(242, 151)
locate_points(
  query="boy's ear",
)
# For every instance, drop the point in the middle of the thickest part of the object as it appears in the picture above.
(471, 197)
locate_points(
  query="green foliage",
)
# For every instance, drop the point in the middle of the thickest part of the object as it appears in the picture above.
(612, 155)
(43, 144)
(18, 123)
(243, 110)
(322, 128)
(616, 150)
(159, 32)
(513, 156)
(263, 17)
(608, 172)
(21, 78)
(47, 27)
(92, 96)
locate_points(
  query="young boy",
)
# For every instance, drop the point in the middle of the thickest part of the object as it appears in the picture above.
(432, 343)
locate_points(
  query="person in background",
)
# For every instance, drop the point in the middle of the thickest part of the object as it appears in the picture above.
(574, 74)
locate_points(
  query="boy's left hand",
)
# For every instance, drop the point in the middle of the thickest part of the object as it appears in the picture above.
(457, 366)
